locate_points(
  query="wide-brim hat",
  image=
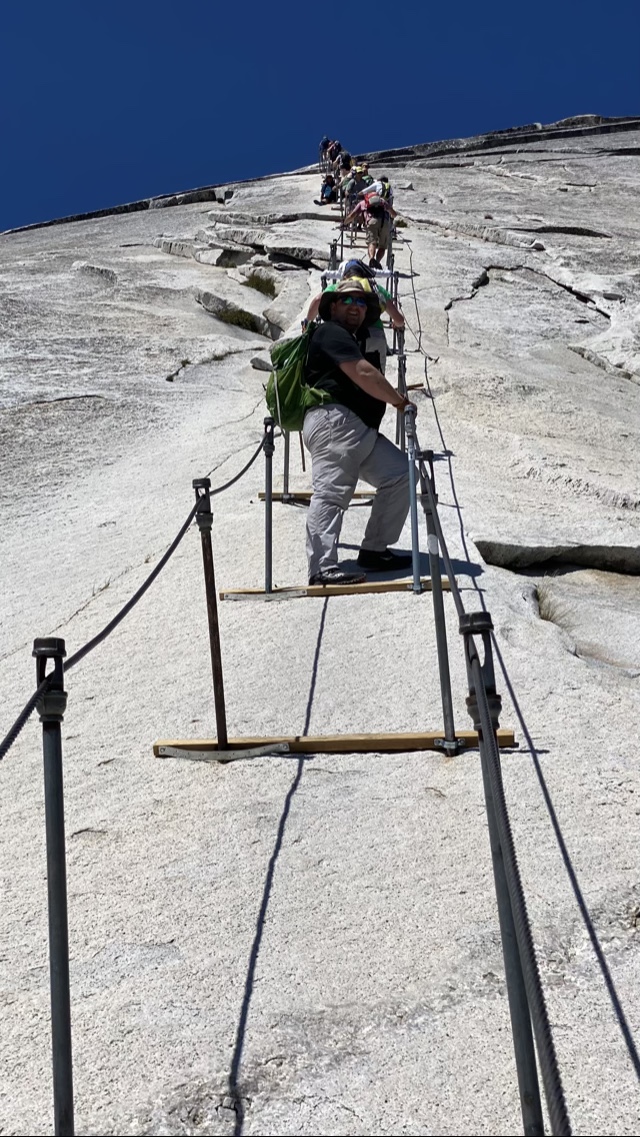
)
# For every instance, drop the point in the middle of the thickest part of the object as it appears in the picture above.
(352, 287)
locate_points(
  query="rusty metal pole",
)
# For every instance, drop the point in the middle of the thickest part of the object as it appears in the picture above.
(269, 450)
(204, 517)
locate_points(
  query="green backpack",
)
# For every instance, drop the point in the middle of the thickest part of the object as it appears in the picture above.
(288, 395)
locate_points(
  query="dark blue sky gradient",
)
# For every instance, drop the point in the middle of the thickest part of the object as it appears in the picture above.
(103, 104)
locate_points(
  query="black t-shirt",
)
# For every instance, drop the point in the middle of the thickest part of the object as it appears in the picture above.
(330, 346)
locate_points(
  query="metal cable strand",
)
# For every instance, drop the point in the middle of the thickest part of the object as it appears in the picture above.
(582, 905)
(455, 590)
(564, 852)
(23, 717)
(133, 600)
(28, 709)
(554, 1092)
(577, 891)
(418, 338)
(236, 478)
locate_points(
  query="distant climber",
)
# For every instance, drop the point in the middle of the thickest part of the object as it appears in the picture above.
(358, 178)
(343, 162)
(383, 188)
(333, 150)
(377, 214)
(328, 191)
(345, 444)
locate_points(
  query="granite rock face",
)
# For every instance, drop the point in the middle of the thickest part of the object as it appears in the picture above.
(312, 947)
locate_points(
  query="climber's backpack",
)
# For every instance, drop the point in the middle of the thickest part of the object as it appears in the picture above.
(288, 395)
(374, 204)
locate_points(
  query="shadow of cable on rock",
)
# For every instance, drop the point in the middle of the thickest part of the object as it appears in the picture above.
(234, 1071)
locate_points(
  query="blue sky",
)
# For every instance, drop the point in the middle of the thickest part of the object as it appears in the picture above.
(107, 103)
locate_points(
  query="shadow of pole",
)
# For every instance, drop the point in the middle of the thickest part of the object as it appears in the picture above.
(234, 1071)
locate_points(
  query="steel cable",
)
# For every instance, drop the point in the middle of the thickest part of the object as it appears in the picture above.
(542, 1030)
(584, 911)
(577, 891)
(236, 478)
(23, 717)
(29, 707)
(554, 1092)
(618, 1010)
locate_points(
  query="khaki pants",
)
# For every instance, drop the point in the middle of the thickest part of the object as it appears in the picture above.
(342, 450)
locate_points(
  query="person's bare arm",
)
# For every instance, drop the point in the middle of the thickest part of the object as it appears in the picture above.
(391, 309)
(313, 308)
(366, 376)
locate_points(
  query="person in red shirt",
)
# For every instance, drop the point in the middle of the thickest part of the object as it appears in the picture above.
(377, 214)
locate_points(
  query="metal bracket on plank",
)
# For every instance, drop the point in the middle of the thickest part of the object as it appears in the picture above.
(224, 756)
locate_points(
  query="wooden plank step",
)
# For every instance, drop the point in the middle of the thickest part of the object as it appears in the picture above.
(306, 494)
(296, 591)
(337, 743)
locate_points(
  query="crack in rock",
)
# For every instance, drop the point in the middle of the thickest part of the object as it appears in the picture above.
(608, 558)
(571, 230)
(230, 313)
(491, 235)
(485, 278)
(96, 272)
(604, 364)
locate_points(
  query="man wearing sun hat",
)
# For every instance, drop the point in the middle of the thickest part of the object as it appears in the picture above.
(343, 439)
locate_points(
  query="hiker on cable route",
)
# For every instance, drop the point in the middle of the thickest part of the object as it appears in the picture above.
(377, 213)
(342, 436)
(356, 180)
(371, 336)
(328, 191)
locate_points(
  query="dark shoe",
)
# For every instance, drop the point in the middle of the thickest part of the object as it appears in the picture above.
(384, 561)
(336, 575)
(373, 262)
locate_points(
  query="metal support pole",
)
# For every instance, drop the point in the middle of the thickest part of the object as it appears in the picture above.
(269, 450)
(451, 744)
(285, 475)
(402, 387)
(393, 281)
(51, 708)
(204, 517)
(530, 1105)
(410, 427)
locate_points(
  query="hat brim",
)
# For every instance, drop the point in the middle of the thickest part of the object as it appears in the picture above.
(329, 296)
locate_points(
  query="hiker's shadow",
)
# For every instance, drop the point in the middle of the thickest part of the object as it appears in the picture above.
(461, 568)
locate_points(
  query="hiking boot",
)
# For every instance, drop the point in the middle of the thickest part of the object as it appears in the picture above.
(383, 561)
(335, 575)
